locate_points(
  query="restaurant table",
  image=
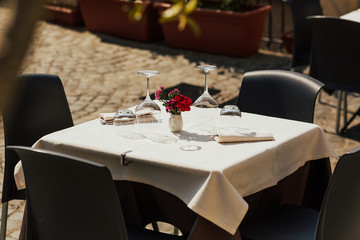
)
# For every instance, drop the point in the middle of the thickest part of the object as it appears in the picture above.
(204, 187)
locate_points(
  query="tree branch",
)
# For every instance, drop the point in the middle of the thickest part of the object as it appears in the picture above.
(16, 42)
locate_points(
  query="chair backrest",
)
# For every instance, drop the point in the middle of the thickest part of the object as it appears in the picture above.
(70, 198)
(39, 107)
(279, 93)
(335, 57)
(300, 9)
(340, 211)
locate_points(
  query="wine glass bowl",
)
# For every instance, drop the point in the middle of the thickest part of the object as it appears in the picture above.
(206, 68)
(206, 100)
(148, 103)
(148, 73)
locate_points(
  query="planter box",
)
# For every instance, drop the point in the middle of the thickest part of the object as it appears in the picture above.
(63, 15)
(222, 32)
(109, 17)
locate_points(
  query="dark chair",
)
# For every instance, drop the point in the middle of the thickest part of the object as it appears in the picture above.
(300, 9)
(39, 107)
(339, 216)
(335, 59)
(279, 93)
(71, 198)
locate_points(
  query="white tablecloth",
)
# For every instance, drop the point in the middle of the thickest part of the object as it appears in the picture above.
(213, 180)
(353, 16)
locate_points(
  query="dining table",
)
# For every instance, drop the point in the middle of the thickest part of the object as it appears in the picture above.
(204, 187)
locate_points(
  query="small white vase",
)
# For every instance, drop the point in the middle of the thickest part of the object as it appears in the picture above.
(175, 123)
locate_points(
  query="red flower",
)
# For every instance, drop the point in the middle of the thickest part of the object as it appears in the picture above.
(183, 103)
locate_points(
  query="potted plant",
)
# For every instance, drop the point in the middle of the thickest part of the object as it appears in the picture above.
(65, 12)
(122, 18)
(233, 28)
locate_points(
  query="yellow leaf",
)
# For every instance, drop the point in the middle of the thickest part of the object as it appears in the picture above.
(182, 22)
(190, 6)
(174, 10)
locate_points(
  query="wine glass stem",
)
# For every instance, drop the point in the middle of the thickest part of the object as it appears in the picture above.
(206, 86)
(147, 88)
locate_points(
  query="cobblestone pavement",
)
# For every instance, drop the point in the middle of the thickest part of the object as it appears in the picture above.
(99, 74)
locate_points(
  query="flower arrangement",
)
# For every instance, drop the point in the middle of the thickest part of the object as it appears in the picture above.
(174, 102)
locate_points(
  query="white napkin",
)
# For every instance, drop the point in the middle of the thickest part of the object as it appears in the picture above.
(106, 118)
(223, 135)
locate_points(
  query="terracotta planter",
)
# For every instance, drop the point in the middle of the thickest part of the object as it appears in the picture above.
(63, 15)
(109, 17)
(222, 32)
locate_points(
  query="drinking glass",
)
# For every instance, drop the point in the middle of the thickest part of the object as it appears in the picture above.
(124, 117)
(230, 110)
(206, 100)
(148, 104)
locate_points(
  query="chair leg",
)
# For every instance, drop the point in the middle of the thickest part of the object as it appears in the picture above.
(176, 231)
(4, 212)
(155, 227)
(345, 107)
(320, 93)
(338, 113)
(346, 122)
(344, 129)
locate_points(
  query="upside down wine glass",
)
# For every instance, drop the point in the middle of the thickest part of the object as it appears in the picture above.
(148, 103)
(206, 100)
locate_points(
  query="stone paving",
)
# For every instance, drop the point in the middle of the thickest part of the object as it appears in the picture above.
(99, 74)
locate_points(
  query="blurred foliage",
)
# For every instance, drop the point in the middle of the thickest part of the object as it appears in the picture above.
(14, 43)
(179, 11)
(237, 5)
(228, 5)
(135, 13)
(64, 3)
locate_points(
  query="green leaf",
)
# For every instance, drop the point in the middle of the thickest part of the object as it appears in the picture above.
(136, 13)
(194, 26)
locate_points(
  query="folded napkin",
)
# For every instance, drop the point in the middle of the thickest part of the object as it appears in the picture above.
(240, 135)
(107, 118)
